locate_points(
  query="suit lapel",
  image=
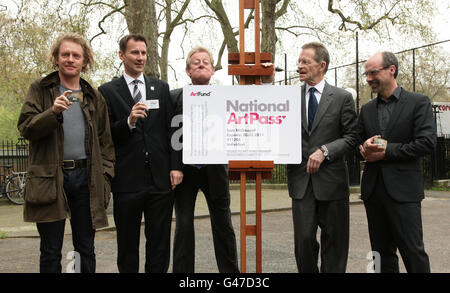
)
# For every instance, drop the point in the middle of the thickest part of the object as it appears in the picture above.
(372, 112)
(325, 101)
(150, 88)
(151, 94)
(397, 111)
(303, 102)
(124, 92)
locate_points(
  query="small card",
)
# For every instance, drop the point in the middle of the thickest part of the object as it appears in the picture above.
(381, 142)
(152, 104)
(75, 97)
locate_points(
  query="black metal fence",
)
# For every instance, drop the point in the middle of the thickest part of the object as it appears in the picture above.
(414, 72)
(436, 166)
(279, 176)
(413, 75)
(13, 157)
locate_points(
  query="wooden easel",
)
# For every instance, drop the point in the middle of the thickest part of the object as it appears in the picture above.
(248, 67)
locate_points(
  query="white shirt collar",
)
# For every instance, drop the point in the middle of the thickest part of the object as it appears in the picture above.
(130, 79)
(319, 87)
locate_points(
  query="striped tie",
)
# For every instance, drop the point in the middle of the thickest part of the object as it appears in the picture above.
(136, 92)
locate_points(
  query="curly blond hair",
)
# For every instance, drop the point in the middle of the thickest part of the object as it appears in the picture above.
(88, 54)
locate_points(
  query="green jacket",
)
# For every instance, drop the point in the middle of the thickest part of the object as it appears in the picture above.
(45, 200)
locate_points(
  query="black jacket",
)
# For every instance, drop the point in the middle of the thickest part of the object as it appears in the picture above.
(411, 134)
(146, 148)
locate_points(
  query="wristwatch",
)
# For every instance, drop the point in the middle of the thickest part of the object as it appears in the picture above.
(325, 152)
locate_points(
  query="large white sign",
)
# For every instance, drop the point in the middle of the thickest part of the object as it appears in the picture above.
(442, 118)
(246, 122)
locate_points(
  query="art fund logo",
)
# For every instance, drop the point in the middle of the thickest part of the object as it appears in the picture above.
(200, 94)
(253, 110)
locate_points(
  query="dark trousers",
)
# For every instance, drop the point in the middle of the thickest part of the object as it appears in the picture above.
(333, 219)
(220, 214)
(52, 233)
(395, 225)
(157, 208)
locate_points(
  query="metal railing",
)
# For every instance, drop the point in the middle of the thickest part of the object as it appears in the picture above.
(435, 166)
(14, 154)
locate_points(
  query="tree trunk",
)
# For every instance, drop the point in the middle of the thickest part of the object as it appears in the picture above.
(269, 37)
(141, 19)
(227, 29)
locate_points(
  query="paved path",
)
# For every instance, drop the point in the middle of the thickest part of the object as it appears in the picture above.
(19, 252)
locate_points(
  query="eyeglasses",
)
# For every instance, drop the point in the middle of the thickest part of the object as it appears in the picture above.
(374, 72)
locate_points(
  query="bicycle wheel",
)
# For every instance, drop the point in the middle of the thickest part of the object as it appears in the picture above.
(14, 188)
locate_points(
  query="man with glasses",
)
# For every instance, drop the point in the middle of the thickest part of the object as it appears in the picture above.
(319, 186)
(212, 180)
(396, 129)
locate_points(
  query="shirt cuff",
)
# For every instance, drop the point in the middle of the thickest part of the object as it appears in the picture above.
(129, 124)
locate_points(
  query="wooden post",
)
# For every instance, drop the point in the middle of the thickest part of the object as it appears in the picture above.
(247, 65)
(243, 171)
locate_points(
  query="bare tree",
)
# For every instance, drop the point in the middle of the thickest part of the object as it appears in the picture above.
(145, 17)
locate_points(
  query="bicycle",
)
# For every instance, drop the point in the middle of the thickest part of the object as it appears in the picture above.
(14, 185)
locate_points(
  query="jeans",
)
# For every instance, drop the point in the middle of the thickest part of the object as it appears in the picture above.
(52, 233)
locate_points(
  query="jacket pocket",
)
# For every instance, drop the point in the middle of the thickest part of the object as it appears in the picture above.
(40, 187)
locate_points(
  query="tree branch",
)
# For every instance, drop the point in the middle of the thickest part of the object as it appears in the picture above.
(102, 30)
(100, 3)
(219, 56)
(282, 10)
(358, 24)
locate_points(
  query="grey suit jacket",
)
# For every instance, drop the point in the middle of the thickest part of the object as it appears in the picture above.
(335, 127)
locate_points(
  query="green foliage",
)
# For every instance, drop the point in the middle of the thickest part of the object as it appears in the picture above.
(9, 113)
(8, 122)
(29, 34)
(442, 188)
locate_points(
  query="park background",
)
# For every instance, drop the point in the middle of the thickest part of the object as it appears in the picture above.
(352, 30)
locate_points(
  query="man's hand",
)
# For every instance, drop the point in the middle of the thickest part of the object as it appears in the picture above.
(175, 178)
(61, 103)
(372, 152)
(314, 162)
(138, 111)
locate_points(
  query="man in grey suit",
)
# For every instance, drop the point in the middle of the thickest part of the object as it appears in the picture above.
(319, 185)
(396, 129)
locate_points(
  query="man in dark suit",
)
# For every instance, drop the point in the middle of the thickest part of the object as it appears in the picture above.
(397, 129)
(319, 185)
(146, 167)
(212, 180)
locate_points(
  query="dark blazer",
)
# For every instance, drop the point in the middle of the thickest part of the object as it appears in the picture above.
(217, 173)
(411, 134)
(335, 127)
(151, 137)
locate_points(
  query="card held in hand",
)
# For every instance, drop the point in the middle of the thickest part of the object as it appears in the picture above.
(75, 97)
(381, 142)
